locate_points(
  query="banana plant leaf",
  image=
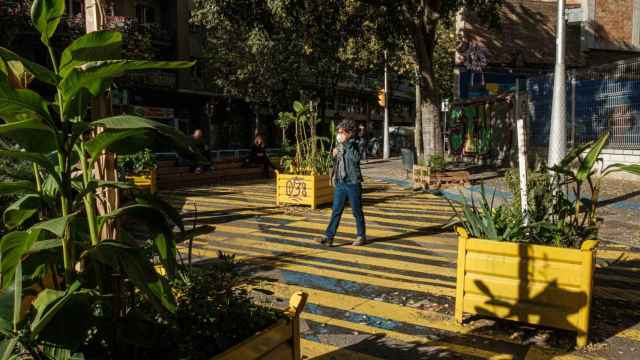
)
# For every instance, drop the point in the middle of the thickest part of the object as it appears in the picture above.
(93, 46)
(46, 16)
(40, 72)
(32, 135)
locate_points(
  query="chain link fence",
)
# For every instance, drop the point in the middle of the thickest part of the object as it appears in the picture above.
(600, 98)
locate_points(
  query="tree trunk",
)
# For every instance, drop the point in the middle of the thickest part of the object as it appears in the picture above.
(424, 40)
(106, 168)
(418, 129)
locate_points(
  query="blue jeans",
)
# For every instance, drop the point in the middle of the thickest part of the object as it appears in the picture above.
(342, 192)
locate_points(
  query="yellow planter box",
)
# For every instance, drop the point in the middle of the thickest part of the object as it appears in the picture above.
(281, 341)
(312, 190)
(145, 181)
(533, 284)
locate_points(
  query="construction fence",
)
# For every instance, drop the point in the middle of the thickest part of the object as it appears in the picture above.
(600, 98)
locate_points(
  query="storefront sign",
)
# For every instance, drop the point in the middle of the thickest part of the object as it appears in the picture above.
(162, 79)
(153, 112)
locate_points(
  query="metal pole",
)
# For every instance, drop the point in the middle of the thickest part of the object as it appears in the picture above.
(573, 108)
(558, 132)
(385, 148)
(522, 166)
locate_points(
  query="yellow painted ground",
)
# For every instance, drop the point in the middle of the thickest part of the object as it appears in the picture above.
(392, 299)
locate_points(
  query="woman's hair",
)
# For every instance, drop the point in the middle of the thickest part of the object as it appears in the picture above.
(348, 125)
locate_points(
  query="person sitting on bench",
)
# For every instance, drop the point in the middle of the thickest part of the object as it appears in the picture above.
(258, 156)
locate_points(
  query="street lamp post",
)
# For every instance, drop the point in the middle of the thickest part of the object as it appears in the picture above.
(558, 131)
(385, 138)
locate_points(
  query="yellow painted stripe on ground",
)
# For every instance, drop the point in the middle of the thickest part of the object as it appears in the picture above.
(631, 334)
(312, 350)
(285, 263)
(372, 234)
(451, 252)
(620, 255)
(357, 258)
(410, 339)
(365, 249)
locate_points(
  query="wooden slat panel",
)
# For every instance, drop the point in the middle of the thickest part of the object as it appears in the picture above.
(260, 344)
(522, 290)
(520, 311)
(523, 250)
(513, 268)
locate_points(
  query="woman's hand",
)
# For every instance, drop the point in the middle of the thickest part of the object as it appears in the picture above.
(335, 152)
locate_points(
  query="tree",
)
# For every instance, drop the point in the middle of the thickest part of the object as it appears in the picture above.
(411, 29)
(269, 52)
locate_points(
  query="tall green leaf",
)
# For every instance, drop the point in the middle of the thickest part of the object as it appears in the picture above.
(96, 76)
(48, 303)
(182, 143)
(46, 15)
(17, 187)
(40, 72)
(21, 104)
(55, 226)
(13, 247)
(93, 46)
(629, 168)
(586, 165)
(21, 210)
(32, 134)
(160, 231)
(141, 273)
(106, 139)
(36, 158)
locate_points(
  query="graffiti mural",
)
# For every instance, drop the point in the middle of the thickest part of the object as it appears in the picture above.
(481, 128)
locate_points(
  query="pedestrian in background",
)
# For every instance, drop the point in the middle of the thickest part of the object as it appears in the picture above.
(362, 144)
(346, 179)
(258, 156)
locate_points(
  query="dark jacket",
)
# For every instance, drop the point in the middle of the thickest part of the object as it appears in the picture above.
(351, 158)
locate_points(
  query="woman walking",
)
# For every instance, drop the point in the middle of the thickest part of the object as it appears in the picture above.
(347, 181)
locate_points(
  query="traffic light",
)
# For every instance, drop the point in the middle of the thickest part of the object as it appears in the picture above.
(381, 97)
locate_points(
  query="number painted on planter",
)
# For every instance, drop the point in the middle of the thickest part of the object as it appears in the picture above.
(296, 188)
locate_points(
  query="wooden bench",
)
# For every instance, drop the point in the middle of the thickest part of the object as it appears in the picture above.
(425, 177)
(170, 175)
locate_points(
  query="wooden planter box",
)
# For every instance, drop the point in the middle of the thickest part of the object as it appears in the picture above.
(281, 341)
(533, 284)
(145, 181)
(312, 190)
(425, 177)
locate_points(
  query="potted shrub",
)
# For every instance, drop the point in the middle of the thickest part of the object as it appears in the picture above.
(305, 179)
(535, 267)
(139, 168)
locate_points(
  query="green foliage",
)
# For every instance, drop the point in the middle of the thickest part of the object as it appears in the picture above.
(553, 217)
(140, 163)
(311, 155)
(53, 224)
(213, 313)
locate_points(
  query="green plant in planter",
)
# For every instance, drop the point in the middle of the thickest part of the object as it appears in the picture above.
(59, 278)
(311, 153)
(213, 313)
(140, 163)
(554, 216)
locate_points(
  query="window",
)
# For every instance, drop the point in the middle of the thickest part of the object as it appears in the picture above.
(145, 14)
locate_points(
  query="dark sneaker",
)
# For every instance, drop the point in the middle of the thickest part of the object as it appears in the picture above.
(360, 241)
(323, 240)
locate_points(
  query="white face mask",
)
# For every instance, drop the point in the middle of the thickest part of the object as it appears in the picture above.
(339, 138)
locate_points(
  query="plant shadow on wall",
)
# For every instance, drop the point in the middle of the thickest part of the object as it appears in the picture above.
(547, 285)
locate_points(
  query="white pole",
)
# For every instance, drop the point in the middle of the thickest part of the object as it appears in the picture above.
(385, 138)
(522, 166)
(558, 132)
